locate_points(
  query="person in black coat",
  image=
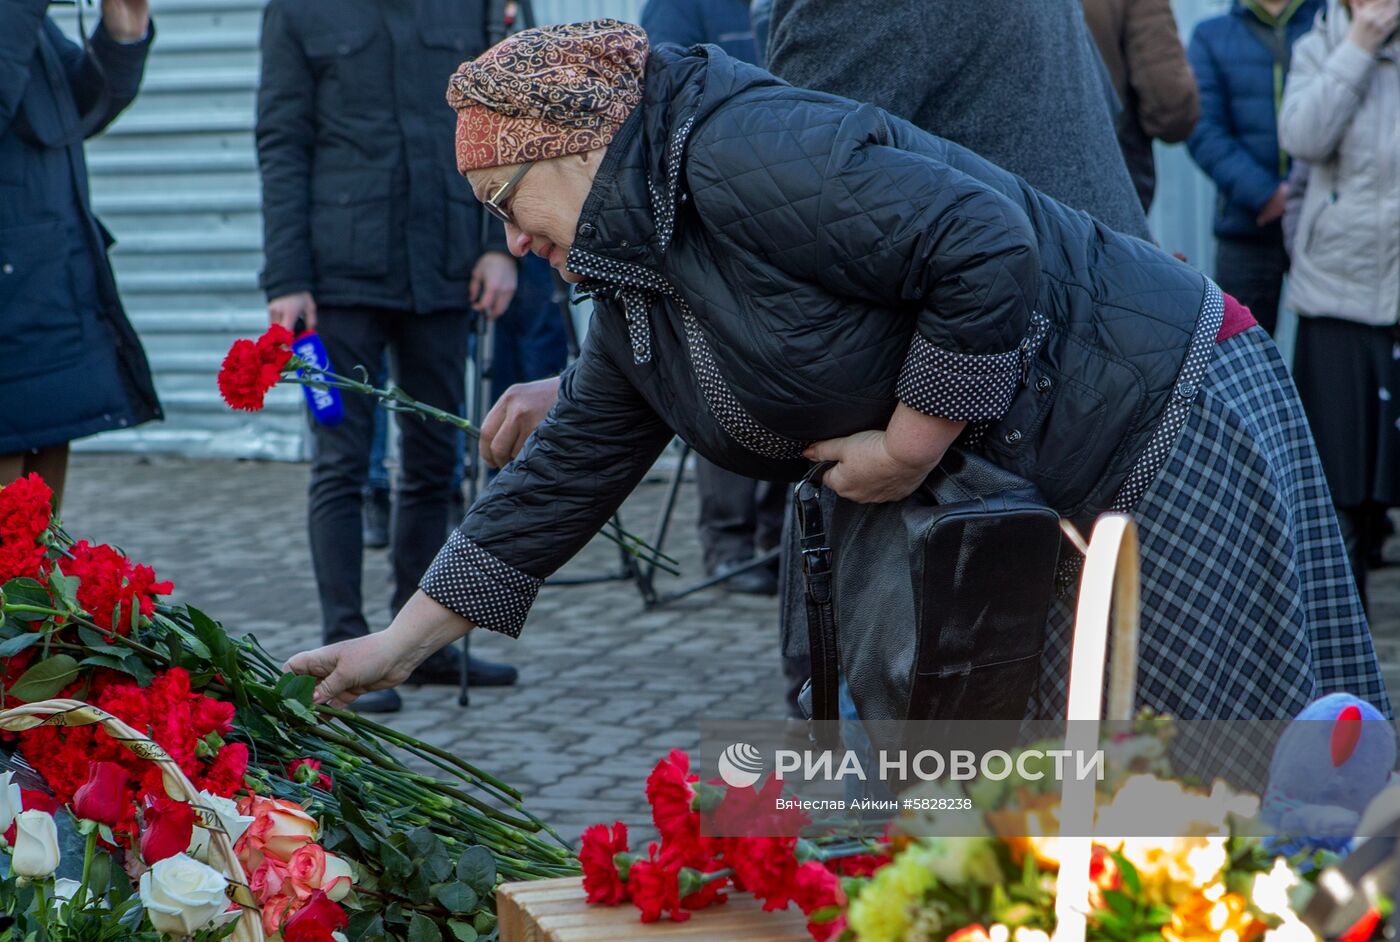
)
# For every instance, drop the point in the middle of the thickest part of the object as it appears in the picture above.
(374, 240)
(72, 365)
(785, 276)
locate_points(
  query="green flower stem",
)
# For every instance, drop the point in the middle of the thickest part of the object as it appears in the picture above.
(401, 739)
(396, 400)
(80, 898)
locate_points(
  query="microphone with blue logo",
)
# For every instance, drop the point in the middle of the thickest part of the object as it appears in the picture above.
(324, 402)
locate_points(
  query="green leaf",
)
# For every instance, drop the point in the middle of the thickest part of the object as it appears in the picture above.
(462, 931)
(423, 929)
(1120, 903)
(396, 863)
(27, 592)
(15, 645)
(45, 679)
(456, 897)
(485, 921)
(65, 588)
(103, 660)
(477, 868)
(296, 687)
(365, 926)
(137, 668)
(1131, 880)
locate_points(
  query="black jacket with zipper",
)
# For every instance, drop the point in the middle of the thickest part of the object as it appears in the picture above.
(362, 202)
(774, 266)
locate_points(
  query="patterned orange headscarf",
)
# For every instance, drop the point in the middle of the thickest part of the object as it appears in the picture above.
(547, 92)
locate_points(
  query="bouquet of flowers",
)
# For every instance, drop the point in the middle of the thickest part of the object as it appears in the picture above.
(1204, 882)
(325, 814)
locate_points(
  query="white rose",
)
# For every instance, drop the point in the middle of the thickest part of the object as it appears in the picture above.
(226, 811)
(339, 937)
(182, 895)
(337, 879)
(36, 845)
(9, 801)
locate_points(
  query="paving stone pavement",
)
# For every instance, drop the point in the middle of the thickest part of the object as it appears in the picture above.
(606, 686)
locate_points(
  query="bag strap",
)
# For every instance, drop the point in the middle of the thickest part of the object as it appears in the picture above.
(815, 545)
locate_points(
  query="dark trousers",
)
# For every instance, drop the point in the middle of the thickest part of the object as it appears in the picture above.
(1252, 271)
(427, 358)
(530, 339)
(739, 516)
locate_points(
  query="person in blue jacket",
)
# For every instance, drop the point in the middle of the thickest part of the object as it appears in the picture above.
(1241, 60)
(70, 363)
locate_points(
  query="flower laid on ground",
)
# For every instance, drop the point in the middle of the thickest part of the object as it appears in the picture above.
(183, 896)
(308, 772)
(26, 508)
(330, 824)
(694, 863)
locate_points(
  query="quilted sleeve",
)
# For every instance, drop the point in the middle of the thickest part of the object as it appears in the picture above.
(577, 468)
(816, 189)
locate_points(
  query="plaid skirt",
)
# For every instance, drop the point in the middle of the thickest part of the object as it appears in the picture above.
(1249, 609)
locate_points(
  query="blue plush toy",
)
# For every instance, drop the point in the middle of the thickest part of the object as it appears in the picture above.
(1329, 763)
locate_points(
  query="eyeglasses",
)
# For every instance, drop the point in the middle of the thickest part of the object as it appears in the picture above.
(493, 203)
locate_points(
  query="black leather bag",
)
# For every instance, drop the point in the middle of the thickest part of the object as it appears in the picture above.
(941, 599)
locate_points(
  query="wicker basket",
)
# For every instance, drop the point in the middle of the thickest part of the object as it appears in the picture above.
(177, 786)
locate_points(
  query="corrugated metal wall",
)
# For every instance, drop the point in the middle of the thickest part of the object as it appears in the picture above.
(176, 180)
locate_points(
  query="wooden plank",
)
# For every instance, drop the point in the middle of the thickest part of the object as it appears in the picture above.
(555, 911)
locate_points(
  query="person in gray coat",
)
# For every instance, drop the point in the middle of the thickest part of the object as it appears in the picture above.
(1341, 114)
(1028, 95)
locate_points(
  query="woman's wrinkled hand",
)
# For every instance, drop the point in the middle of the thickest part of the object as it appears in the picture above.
(347, 669)
(865, 471)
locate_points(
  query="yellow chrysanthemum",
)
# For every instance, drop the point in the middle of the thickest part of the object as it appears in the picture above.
(881, 912)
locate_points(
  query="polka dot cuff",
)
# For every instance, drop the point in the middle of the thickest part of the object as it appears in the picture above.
(965, 387)
(478, 586)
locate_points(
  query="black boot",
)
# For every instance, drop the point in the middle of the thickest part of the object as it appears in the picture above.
(376, 516)
(445, 667)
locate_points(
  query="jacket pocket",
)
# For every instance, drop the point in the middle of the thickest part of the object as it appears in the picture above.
(338, 43)
(350, 223)
(1342, 238)
(1060, 431)
(446, 46)
(462, 240)
(39, 316)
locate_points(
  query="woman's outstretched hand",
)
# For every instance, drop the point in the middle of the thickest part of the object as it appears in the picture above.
(347, 669)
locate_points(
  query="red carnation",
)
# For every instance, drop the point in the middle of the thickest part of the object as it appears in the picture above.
(308, 772)
(103, 799)
(600, 847)
(859, 865)
(169, 827)
(110, 585)
(656, 886)
(756, 812)
(26, 509)
(226, 772)
(252, 368)
(670, 795)
(765, 866)
(816, 887)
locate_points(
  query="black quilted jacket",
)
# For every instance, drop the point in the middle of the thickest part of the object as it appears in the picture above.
(774, 266)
